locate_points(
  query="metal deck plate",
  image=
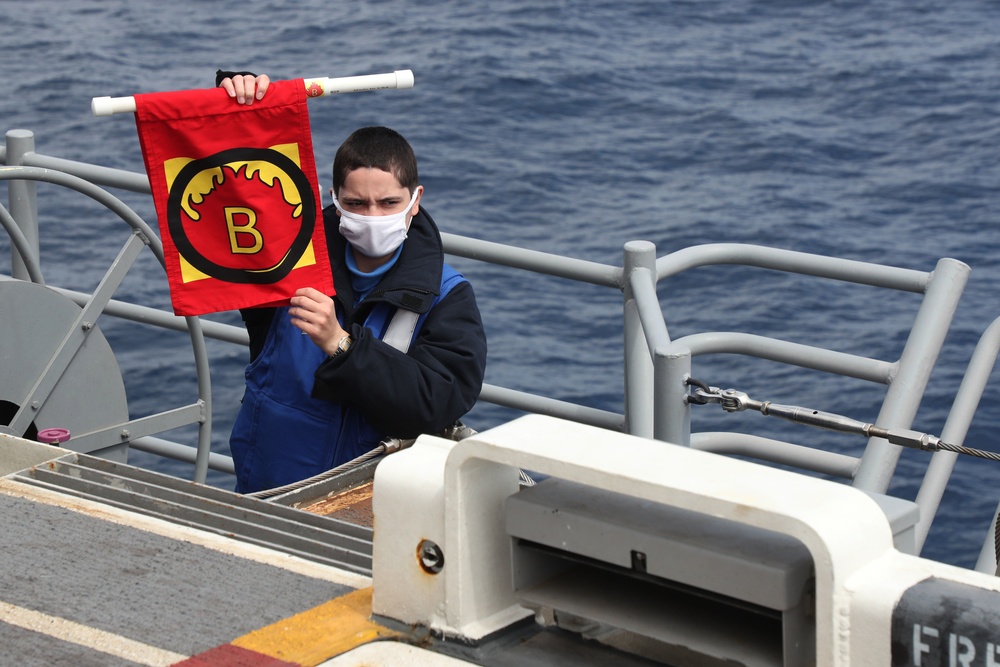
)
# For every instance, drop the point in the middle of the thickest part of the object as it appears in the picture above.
(317, 538)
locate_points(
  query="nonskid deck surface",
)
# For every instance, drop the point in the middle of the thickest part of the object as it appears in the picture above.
(102, 563)
(85, 582)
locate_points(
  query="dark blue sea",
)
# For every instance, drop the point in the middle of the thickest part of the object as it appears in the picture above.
(864, 130)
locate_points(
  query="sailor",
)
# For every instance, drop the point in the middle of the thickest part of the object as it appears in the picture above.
(323, 385)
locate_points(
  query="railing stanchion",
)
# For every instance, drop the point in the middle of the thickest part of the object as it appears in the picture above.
(638, 360)
(23, 204)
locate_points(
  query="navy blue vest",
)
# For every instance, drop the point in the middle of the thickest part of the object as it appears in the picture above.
(282, 434)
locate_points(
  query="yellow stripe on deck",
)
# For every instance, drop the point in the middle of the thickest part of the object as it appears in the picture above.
(320, 633)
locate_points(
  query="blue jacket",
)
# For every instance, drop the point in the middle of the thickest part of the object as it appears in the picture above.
(304, 413)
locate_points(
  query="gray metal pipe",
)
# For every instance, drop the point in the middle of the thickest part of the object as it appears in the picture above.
(22, 199)
(776, 451)
(804, 356)
(956, 427)
(533, 260)
(862, 273)
(106, 176)
(672, 368)
(526, 402)
(643, 326)
(178, 452)
(915, 365)
(159, 318)
(22, 248)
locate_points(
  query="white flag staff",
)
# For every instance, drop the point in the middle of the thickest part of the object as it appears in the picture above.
(318, 87)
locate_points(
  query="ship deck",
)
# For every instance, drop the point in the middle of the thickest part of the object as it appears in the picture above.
(85, 583)
(105, 564)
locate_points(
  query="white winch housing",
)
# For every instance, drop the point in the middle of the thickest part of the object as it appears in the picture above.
(664, 551)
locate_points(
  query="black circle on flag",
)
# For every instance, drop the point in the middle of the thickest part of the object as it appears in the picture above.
(230, 274)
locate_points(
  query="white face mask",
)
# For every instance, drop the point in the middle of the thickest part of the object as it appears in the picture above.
(375, 235)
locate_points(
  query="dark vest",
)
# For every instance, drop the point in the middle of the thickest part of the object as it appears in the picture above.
(282, 434)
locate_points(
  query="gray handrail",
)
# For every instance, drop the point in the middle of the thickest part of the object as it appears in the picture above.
(792, 261)
(656, 366)
(906, 377)
(956, 426)
(142, 231)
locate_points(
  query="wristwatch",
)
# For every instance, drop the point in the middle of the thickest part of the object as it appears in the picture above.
(344, 345)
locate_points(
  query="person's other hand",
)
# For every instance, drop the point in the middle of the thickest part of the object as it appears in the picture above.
(315, 314)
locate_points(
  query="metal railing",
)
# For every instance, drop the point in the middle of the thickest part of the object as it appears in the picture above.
(657, 368)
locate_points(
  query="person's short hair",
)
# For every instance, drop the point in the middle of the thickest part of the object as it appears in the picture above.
(377, 148)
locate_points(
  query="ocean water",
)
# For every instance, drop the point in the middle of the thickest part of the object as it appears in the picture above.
(864, 130)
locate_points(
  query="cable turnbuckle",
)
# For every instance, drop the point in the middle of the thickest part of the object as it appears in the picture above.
(732, 400)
